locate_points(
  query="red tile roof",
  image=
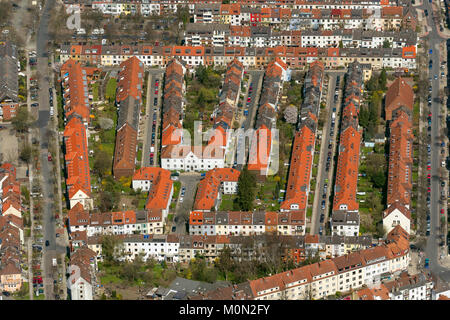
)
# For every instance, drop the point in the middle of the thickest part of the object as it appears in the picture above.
(297, 188)
(399, 94)
(347, 170)
(76, 158)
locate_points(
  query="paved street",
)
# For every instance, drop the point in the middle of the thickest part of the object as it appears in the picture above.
(44, 125)
(324, 176)
(432, 247)
(150, 116)
(189, 180)
(255, 80)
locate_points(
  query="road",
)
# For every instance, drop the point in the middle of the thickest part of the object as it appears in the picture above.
(324, 176)
(149, 129)
(432, 248)
(189, 180)
(44, 126)
(255, 80)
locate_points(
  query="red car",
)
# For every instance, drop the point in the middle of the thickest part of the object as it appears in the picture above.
(428, 176)
(442, 211)
(430, 114)
(248, 99)
(156, 91)
(156, 83)
(429, 189)
(151, 155)
(428, 167)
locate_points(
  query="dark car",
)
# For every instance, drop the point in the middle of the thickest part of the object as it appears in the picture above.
(323, 204)
(324, 196)
(174, 228)
(155, 101)
(329, 146)
(322, 218)
(47, 243)
(6, 293)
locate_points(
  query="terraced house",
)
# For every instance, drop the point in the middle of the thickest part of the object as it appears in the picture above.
(398, 111)
(300, 169)
(235, 223)
(345, 273)
(296, 57)
(261, 144)
(128, 101)
(345, 204)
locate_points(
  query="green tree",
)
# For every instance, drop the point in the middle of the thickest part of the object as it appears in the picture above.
(110, 248)
(21, 121)
(382, 80)
(25, 153)
(102, 163)
(246, 190)
(225, 262)
(386, 44)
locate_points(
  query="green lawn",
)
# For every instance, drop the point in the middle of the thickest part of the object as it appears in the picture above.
(95, 91)
(111, 89)
(227, 203)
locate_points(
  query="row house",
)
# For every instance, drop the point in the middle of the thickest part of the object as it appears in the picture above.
(10, 195)
(116, 223)
(11, 242)
(300, 171)
(216, 182)
(247, 223)
(9, 81)
(345, 216)
(128, 102)
(77, 173)
(357, 38)
(343, 274)
(398, 111)
(82, 280)
(197, 158)
(224, 114)
(158, 247)
(296, 57)
(74, 83)
(261, 146)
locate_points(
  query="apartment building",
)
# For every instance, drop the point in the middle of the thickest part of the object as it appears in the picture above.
(345, 273)
(300, 171)
(261, 144)
(345, 217)
(295, 57)
(398, 111)
(78, 181)
(74, 83)
(216, 182)
(128, 101)
(149, 221)
(10, 199)
(82, 281)
(240, 223)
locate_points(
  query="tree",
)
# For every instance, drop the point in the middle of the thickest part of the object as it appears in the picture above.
(21, 121)
(110, 248)
(386, 44)
(25, 153)
(102, 163)
(225, 262)
(382, 80)
(246, 190)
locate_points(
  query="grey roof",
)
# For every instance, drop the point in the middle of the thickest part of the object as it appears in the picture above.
(129, 113)
(344, 218)
(9, 78)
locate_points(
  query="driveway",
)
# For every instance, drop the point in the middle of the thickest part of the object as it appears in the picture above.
(189, 181)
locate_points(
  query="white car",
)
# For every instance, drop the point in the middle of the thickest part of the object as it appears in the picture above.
(181, 200)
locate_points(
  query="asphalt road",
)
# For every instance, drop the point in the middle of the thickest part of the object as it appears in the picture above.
(323, 175)
(43, 124)
(153, 75)
(256, 78)
(190, 181)
(432, 248)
